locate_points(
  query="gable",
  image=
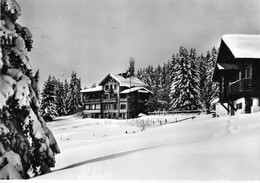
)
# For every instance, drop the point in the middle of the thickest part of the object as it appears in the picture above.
(109, 79)
(127, 82)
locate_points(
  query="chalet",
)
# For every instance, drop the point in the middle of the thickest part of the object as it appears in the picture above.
(116, 96)
(238, 73)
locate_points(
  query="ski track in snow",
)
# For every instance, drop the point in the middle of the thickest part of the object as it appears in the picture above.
(204, 148)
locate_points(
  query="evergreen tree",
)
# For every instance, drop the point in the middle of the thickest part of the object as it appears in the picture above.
(158, 80)
(60, 101)
(74, 102)
(66, 94)
(202, 69)
(131, 69)
(208, 88)
(49, 99)
(166, 87)
(196, 73)
(184, 88)
(25, 141)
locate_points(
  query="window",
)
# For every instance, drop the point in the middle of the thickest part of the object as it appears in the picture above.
(92, 107)
(239, 106)
(123, 106)
(115, 106)
(123, 95)
(98, 106)
(106, 87)
(106, 96)
(114, 115)
(87, 107)
(248, 72)
(115, 86)
(104, 106)
(240, 75)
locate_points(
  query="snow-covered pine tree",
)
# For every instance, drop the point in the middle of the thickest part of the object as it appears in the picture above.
(60, 99)
(202, 68)
(49, 99)
(210, 87)
(184, 89)
(159, 81)
(26, 144)
(166, 86)
(74, 101)
(37, 78)
(194, 80)
(149, 79)
(66, 94)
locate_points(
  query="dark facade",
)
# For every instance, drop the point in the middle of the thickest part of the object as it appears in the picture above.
(238, 73)
(116, 97)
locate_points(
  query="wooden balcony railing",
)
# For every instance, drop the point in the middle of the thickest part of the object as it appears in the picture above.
(123, 99)
(91, 100)
(114, 99)
(243, 87)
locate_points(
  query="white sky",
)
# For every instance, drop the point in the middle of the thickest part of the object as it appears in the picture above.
(97, 37)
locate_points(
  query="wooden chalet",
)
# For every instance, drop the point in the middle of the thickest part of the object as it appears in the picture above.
(238, 73)
(117, 96)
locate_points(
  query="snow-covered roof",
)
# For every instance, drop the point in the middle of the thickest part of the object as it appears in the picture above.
(243, 45)
(134, 81)
(95, 89)
(139, 89)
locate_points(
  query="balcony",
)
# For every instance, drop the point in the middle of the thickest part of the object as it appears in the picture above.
(123, 99)
(242, 88)
(91, 100)
(109, 100)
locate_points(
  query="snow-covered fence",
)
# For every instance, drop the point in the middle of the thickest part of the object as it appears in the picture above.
(192, 117)
(183, 112)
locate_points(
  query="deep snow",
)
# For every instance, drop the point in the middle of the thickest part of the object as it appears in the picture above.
(204, 148)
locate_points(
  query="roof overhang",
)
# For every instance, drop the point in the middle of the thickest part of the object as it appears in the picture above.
(227, 66)
(90, 90)
(222, 68)
(136, 89)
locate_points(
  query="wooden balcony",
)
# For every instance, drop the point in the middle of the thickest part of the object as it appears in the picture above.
(91, 100)
(123, 99)
(242, 88)
(114, 99)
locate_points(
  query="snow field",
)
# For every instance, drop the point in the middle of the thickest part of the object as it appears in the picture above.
(204, 148)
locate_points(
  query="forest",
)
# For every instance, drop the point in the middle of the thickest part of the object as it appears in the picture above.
(183, 83)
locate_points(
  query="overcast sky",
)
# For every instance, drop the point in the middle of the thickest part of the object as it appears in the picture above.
(97, 37)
